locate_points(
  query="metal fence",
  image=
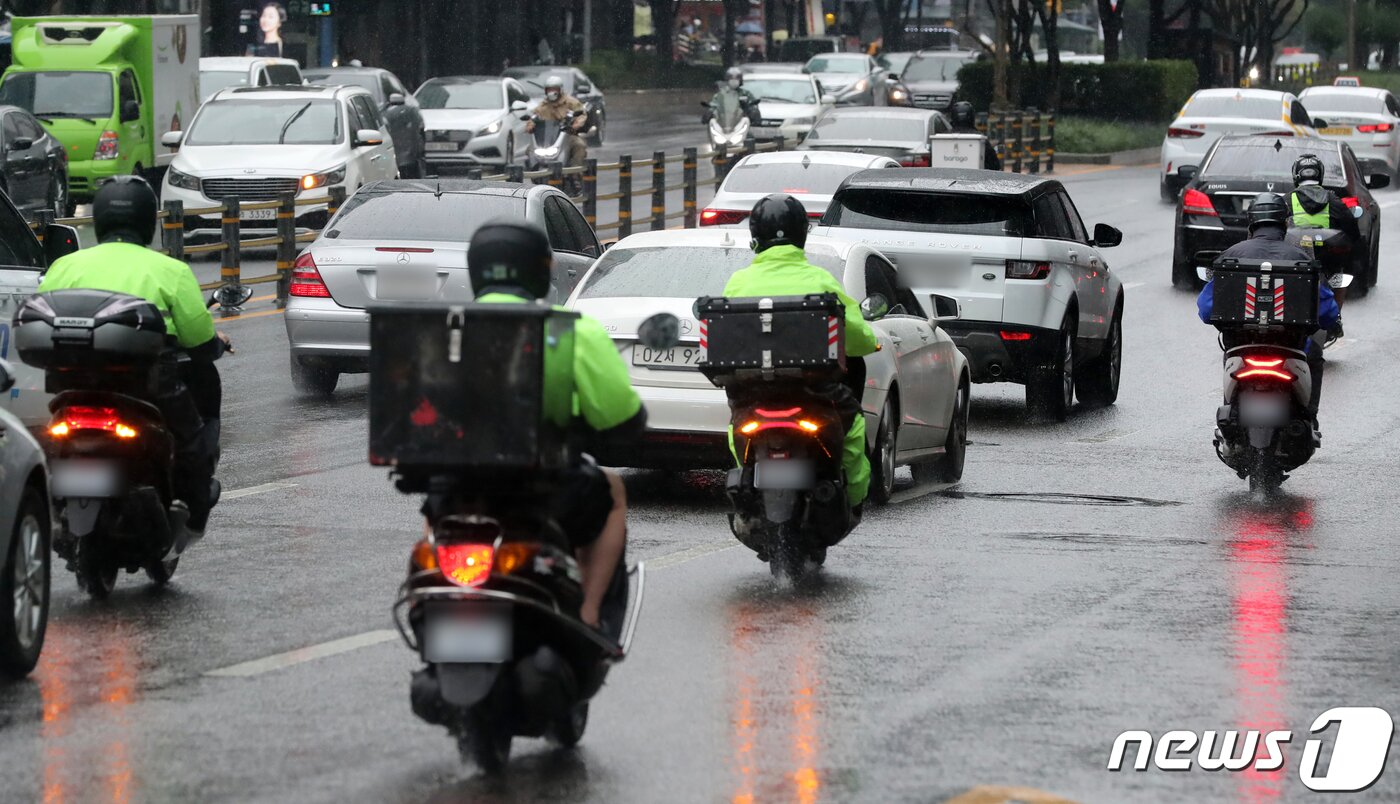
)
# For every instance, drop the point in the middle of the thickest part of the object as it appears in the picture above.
(1025, 138)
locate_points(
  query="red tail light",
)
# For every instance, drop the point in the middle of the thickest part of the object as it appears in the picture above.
(1184, 133)
(306, 279)
(1027, 269)
(778, 414)
(466, 564)
(1195, 202)
(84, 418)
(1264, 368)
(1010, 335)
(1351, 201)
(108, 146)
(722, 217)
(1375, 128)
(915, 160)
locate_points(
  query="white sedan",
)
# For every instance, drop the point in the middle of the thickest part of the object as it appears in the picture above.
(1366, 118)
(809, 176)
(916, 389)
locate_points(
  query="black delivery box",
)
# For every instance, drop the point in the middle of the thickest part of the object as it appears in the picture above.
(1280, 293)
(768, 337)
(483, 389)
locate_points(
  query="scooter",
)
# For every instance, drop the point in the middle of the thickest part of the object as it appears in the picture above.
(550, 148)
(729, 121)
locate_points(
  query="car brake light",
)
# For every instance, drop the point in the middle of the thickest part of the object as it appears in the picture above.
(722, 217)
(1352, 202)
(1195, 202)
(1375, 128)
(916, 160)
(306, 279)
(84, 418)
(778, 414)
(1264, 368)
(1176, 133)
(1027, 269)
(466, 564)
(108, 146)
(1011, 335)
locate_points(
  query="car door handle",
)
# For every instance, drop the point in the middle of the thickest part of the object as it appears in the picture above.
(1074, 256)
(924, 336)
(896, 340)
(573, 272)
(376, 157)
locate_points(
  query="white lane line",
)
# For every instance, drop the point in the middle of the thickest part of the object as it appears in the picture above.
(1131, 285)
(690, 554)
(309, 653)
(251, 490)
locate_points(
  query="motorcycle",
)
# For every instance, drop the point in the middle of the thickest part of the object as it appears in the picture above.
(491, 601)
(772, 356)
(729, 121)
(551, 147)
(106, 356)
(1267, 316)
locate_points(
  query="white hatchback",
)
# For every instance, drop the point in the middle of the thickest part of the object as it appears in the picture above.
(1212, 113)
(1366, 118)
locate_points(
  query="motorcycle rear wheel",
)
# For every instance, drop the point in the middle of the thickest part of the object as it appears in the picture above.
(1264, 475)
(97, 572)
(568, 730)
(160, 572)
(485, 742)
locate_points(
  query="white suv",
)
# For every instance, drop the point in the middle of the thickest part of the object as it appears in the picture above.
(1039, 303)
(257, 143)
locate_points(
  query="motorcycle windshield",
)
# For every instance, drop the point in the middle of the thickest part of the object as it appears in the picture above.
(547, 132)
(728, 111)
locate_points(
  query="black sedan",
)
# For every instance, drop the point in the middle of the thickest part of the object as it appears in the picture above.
(901, 134)
(576, 84)
(396, 104)
(1211, 213)
(35, 174)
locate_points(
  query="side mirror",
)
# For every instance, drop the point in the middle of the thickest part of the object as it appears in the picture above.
(1375, 181)
(1106, 236)
(828, 100)
(704, 104)
(1187, 172)
(231, 296)
(368, 136)
(875, 307)
(946, 308)
(1203, 271)
(893, 77)
(584, 89)
(7, 377)
(396, 99)
(519, 106)
(661, 331)
(172, 139)
(1339, 281)
(21, 144)
(59, 241)
(131, 111)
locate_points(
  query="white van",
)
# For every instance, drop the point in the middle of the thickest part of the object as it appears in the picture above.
(225, 72)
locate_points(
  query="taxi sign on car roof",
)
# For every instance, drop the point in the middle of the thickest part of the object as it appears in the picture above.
(1346, 81)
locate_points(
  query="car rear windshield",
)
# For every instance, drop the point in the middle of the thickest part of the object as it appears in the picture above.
(267, 122)
(866, 126)
(1235, 106)
(60, 94)
(678, 271)
(451, 95)
(938, 68)
(854, 66)
(792, 91)
(950, 213)
(1250, 160)
(450, 217)
(212, 82)
(368, 81)
(787, 177)
(1318, 102)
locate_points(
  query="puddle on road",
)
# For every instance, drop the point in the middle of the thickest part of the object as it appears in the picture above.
(1104, 538)
(1058, 498)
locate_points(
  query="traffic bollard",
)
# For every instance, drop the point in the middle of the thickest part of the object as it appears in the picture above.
(337, 200)
(590, 192)
(286, 246)
(1050, 146)
(688, 170)
(624, 192)
(658, 190)
(231, 291)
(173, 230)
(516, 173)
(556, 175)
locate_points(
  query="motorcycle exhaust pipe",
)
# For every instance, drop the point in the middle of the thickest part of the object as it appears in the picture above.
(825, 492)
(994, 369)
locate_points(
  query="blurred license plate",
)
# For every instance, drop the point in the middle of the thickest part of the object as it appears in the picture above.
(401, 286)
(1336, 131)
(73, 479)
(442, 146)
(467, 634)
(258, 214)
(680, 357)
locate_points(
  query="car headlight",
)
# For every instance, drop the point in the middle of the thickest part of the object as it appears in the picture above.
(898, 95)
(182, 180)
(491, 129)
(859, 86)
(324, 179)
(800, 121)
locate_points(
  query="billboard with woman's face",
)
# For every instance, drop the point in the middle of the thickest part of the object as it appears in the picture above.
(265, 34)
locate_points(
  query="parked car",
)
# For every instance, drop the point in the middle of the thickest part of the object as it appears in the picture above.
(788, 105)
(397, 106)
(22, 263)
(25, 531)
(916, 393)
(474, 120)
(407, 241)
(1366, 118)
(802, 48)
(34, 172)
(576, 84)
(227, 72)
(1040, 305)
(851, 79)
(811, 177)
(1211, 215)
(1213, 113)
(895, 62)
(931, 77)
(901, 134)
(258, 143)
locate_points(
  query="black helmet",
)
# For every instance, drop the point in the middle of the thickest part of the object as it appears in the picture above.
(1307, 168)
(125, 209)
(510, 256)
(778, 220)
(1268, 209)
(734, 74)
(963, 116)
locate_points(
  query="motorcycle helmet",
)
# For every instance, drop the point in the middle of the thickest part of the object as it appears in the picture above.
(125, 209)
(963, 116)
(1308, 169)
(734, 77)
(1268, 209)
(777, 220)
(553, 87)
(510, 256)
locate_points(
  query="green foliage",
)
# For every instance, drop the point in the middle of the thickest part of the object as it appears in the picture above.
(1327, 29)
(625, 69)
(1091, 135)
(1379, 25)
(1127, 90)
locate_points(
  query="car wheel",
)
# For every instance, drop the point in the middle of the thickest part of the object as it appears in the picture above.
(24, 588)
(1374, 275)
(58, 195)
(1050, 389)
(1097, 384)
(313, 380)
(1360, 277)
(948, 467)
(882, 455)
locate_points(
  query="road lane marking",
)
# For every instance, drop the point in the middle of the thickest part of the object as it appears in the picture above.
(690, 554)
(251, 490)
(280, 661)
(230, 319)
(998, 794)
(1388, 204)
(1132, 285)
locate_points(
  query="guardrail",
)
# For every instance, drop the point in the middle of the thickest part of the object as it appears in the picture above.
(1024, 137)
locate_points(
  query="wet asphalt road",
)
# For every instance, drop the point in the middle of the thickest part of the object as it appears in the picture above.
(975, 644)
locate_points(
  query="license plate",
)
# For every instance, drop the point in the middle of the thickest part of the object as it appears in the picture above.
(85, 479)
(258, 214)
(467, 634)
(1335, 131)
(679, 357)
(784, 474)
(399, 286)
(442, 146)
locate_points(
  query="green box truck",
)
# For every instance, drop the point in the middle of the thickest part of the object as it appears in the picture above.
(107, 88)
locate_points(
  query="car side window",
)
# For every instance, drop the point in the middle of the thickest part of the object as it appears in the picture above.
(368, 113)
(514, 93)
(11, 129)
(941, 124)
(356, 120)
(1050, 218)
(283, 74)
(29, 127)
(17, 245)
(126, 88)
(1391, 107)
(1076, 223)
(582, 232)
(877, 281)
(903, 296)
(263, 79)
(1300, 115)
(561, 237)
